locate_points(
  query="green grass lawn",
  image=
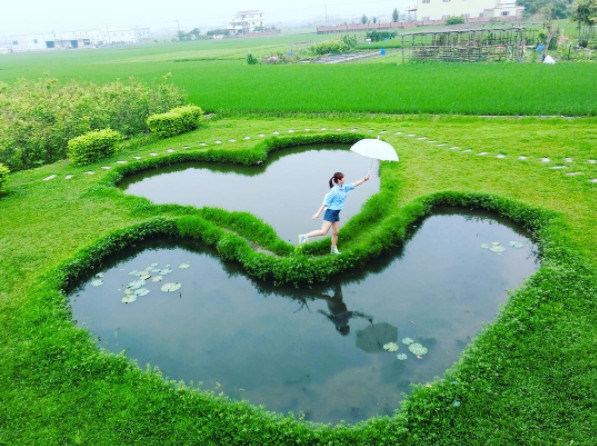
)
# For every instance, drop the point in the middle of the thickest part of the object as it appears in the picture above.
(529, 378)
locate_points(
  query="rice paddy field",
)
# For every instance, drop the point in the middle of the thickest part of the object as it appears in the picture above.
(528, 378)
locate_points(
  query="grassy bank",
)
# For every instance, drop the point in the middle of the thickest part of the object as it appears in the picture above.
(528, 378)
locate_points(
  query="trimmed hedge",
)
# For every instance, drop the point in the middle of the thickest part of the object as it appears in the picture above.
(176, 121)
(93, 146)
(4, 171)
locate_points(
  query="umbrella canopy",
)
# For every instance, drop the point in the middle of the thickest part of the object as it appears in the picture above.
(375, 148)
(373, 338)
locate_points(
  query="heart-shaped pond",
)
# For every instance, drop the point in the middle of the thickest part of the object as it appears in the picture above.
(348, 350)
(284, 193)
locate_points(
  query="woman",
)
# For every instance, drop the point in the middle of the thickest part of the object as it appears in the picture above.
(333, 203)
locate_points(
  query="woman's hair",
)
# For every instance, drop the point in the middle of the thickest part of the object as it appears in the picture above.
(337, 176)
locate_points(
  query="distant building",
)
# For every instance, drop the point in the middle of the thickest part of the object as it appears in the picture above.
(443, 9)
(246, 22)
(74, 39)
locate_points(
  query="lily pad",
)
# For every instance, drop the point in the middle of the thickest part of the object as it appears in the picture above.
(402, 356)
(407, 341)
(417, 349)
(516, 244)
(97, 282)
(165, 271)
(498, 249)
(142, 292)
(184, 265)
(128, 299)
(144, 275)
(171, 287)
(135, 284)
(134, 273)
(157, 278)
(391, 347)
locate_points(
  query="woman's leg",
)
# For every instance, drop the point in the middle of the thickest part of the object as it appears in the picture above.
(335, 230)
(325, 227)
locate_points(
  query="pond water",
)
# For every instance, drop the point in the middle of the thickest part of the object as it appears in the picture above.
(319, 350)
(284, 193)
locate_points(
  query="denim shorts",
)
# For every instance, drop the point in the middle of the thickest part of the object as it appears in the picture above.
(331, 215)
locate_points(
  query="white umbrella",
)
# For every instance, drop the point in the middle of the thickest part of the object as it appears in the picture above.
(375, 149)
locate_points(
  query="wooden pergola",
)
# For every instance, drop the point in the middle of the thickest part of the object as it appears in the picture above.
(467, 44)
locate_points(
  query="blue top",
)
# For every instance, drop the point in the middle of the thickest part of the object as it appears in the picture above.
(334, 199)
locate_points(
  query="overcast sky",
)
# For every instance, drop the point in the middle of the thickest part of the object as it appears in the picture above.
(36, 16)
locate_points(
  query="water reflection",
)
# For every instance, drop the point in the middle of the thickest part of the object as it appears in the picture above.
(319, 350)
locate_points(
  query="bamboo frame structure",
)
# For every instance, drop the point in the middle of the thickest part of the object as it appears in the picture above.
(467, 44)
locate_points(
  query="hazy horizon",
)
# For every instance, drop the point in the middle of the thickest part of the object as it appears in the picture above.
(67, 15)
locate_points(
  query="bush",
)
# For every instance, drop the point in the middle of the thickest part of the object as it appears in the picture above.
(329, 47)
(379, 36)
(176, 121)
(252, 60)
(454, 20)
(39, 117)
(93, 146)
(4, 171)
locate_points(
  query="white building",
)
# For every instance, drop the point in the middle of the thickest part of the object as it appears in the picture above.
(443, 9)
(246, 22)
(73, 39)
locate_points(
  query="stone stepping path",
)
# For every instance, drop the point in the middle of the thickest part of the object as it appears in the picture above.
(418, 138)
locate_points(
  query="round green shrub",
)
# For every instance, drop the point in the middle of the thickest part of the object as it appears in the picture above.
(93, 146)
(4, 171)
(176, 121)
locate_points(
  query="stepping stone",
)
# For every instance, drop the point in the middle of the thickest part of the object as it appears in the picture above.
(522, 158)
(482, 153)
(398, 133)
(247, 138)
(559, 167)
(51, 177)
(453, 148)
(466, 151)
(307, 130)
(90, 172)
(186, 147)
(218, 142)
(276, 133)
(68, 177)
(290, 131)
(232, 140)
(591, 161)
(568, 160)
(121, 162)
(383, 131)
(545, 160)
(353, 130)
(137, 157)
(422, 138)
(441, 145)
(410, 135)
(261, 135)
(574, 174)
(170, 150)
(338, 130)
(594, 180)
(202, 144)
(370, 130)
(431, 141)
(500, 156)
(323, 128)
(153, 154)
(106, 167)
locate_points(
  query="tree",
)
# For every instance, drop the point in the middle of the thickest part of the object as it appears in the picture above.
(585, 14)
(195, 32)
(560, 8)
(374, 19)
(395, 15)
(364, 19)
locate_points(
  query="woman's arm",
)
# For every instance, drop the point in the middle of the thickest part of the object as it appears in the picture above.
(359, 182)
(318, 213)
